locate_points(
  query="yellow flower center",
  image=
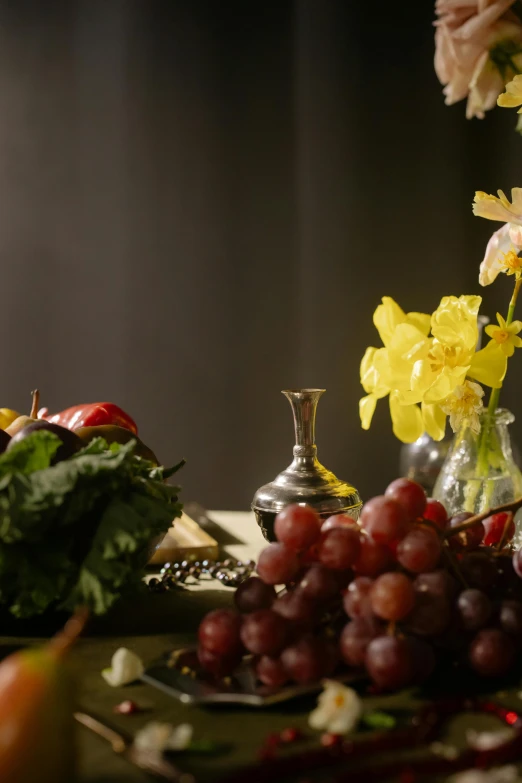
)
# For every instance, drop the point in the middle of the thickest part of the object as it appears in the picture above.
(443, 356)
(511, 262)
(501, 335)
(339, 700)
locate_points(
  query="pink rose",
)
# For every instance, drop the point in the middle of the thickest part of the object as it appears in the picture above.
(466, 32)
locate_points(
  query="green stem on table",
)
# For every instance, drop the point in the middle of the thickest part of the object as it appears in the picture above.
(494, 396)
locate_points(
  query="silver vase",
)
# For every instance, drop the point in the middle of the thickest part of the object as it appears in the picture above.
(305, 480)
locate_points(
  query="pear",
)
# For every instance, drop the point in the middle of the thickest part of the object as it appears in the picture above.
(22, 421)
(37, 741)
(7, 416)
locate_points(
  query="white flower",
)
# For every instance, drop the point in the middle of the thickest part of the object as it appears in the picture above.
(464, 403)
(488, 740)
(157, 737)
(507, 238)
(507, 774)
(338, 710)
(125, 668)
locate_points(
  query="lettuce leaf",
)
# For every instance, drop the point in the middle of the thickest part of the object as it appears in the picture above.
(78, 532)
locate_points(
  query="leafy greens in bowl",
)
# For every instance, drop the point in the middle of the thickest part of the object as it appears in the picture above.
(77, 532)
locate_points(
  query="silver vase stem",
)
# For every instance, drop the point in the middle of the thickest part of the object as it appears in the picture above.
(304, 408)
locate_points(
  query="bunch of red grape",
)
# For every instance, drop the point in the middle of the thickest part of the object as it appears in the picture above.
(390, 593)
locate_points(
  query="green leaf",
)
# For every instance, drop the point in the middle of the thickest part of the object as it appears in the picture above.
(34, 452)
(379, 720)
(77, 532)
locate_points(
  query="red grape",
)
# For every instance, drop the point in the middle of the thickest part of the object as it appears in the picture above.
(219, 632)
(271, 671)
(253, 594)
(311, 659)
(298, 608)
(494, 527)
(339, 548)
(436, 513)
(437, 583)
(339, 520)
(384, 520)
(218, 665)
(264, 632)
(430, 616)
(471, 538)
(492, 652)
(474, 609)
(321, 584)
(277, 564)
(298, 527)
(409, 495)
(373, 558)
(478, 570)
(517, 562)
(419, 551)
(356, 600)
(511, 618)
(389, 662)
(392, 596)
(355, 638)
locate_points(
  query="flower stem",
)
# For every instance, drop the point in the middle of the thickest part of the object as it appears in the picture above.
(495, 395)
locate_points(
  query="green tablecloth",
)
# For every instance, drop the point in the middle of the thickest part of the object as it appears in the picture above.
(160, 623)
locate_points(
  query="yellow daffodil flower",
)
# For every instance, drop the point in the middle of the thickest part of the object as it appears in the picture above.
(465, 403)
(511, 264)
(404, 336)
(513, 95)
(413, 368)
(452, 356)
(505, 336)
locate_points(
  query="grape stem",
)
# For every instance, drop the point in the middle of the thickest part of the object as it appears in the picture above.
(503, 537)
(472, 521)
(454, 565)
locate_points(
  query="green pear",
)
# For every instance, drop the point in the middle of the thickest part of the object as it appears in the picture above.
(37, 739)
(22, 421)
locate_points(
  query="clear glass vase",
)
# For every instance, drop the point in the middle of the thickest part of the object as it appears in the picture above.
(479, 471)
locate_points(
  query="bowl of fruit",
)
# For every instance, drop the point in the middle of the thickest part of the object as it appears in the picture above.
(82, 501)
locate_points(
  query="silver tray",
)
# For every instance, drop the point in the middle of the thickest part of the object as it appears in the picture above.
(241, 688)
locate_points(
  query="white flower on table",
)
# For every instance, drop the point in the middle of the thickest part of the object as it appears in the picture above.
(125, 667)
(507, 774)
(338, 710)
(156, 737)
(488, 740)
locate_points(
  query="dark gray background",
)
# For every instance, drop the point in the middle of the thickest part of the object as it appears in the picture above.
(202, 204)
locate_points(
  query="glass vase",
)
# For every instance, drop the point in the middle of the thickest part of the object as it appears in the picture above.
(479, 471)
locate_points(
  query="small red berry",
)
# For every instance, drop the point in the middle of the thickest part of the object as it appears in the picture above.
(329, 740)
(291, 734)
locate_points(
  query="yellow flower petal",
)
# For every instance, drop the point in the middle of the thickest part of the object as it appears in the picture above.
(507, 348)
(454, 322)
(406, 420)
(513, 94)
(499, 208)
(366, 410)
(421, 320)
(387, 317)
(516, 341)
(515, 327)
(489, 365)
(434, 420)
(445, 382)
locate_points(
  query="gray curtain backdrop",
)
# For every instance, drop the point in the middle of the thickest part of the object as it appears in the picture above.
(202, 203)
